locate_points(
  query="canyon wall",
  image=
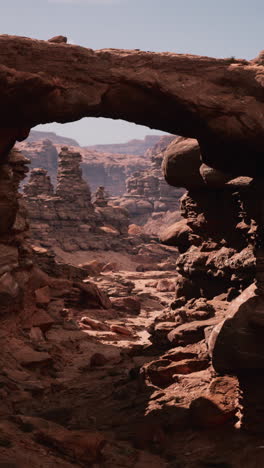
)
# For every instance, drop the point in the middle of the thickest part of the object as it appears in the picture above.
(150, 201)
(65, 217)
(107, 169)
(135, 147)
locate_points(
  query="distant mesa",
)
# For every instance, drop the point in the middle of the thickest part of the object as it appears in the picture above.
(35, 135)
(135, 146)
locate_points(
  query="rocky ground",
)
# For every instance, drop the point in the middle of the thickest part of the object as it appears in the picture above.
(82, 384)
(85, 386)
(128, 356)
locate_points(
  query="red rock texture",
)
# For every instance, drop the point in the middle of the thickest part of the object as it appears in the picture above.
(164, 396)
(132, 147)
(99, 168)
(66, 217)
(34, 89)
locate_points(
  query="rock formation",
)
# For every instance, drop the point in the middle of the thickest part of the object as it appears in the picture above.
(66, 217)
(15, 255)
(108, 169)
(149, 200)
(42, 154)
(224, 115)
(203, 371)
(135, 147)
(213, 236)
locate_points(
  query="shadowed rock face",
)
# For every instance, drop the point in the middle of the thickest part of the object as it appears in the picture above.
(217, 101)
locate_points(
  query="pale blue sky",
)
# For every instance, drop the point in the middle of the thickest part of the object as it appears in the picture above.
(219, 28)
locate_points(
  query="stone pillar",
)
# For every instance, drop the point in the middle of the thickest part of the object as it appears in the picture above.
(71, 185)
(39, 183)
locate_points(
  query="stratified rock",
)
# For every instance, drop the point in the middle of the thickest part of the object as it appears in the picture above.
(70, 182)
(15, 253)
(148, 199)
(39, 183)
(132, 147)
(38, 136)
(98, 167)
(42, 154)
(67, 218)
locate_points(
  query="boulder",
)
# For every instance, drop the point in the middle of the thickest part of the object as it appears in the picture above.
(181, 164)
(213, 177)
(189, 333)
(236, 344)
(83, 446)
(126, 304)
(178, 234)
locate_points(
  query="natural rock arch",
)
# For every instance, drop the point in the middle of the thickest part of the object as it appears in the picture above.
(217, 101)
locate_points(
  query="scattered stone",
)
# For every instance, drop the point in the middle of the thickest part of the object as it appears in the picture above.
(94, 324)
(121, 330)
(189, 333)
(165, 285)
(126, 304)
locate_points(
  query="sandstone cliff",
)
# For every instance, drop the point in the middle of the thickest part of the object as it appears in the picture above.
(150, 201)
(36, 135)
(136, 147)
(107, 169)
(65, 217)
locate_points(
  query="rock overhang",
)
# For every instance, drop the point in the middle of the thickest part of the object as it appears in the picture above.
(217, 101)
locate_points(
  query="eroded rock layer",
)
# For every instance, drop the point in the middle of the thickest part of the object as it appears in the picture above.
(66, 217)
(99, 168)
(150, 201)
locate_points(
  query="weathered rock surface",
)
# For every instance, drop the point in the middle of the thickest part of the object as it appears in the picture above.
(99, 168)
(215, 237)
(66, 217)
(74, 370)
(132, 147)
(109, 84)
(36, 136)
(236, 344)
(149, 200)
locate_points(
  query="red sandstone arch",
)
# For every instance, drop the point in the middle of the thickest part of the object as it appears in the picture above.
(217, 101)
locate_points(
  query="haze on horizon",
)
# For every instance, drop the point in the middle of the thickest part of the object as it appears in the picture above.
(212, 28)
